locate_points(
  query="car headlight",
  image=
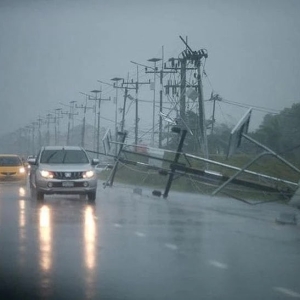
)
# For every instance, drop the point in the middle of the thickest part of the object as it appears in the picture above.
(46, 174)
(88, 174)
(22, 170)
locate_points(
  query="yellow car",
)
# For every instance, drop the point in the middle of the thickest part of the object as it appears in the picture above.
(12, 168)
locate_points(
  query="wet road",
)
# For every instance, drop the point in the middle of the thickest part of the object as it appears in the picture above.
(130, 246)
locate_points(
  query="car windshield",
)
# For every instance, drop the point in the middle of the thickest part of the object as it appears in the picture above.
(64, 157)
(6, 161)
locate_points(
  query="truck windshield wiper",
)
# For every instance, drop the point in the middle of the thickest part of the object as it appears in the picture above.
(48, 159)
(63, 160)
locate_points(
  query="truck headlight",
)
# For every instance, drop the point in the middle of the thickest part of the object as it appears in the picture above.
(88, 174)
(46, 174)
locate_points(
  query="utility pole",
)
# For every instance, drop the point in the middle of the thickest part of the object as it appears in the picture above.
(123, 109)
(28, 129)
(136, 84)
(116, 86)
(154, 60)
(99, 111)
(57, 116)
(194, 58)
(39, 124)
(49, 117)
(84, 107)
(33, 136)
(161, 75)
(72, 114)
(214, 98)
(69, 114)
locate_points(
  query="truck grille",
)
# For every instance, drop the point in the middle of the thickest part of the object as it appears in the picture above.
(8, 173)
(67, 175)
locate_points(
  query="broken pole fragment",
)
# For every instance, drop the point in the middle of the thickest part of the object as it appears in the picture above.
(178, 152)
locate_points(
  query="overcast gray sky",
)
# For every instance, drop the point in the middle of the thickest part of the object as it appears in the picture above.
(51, 50)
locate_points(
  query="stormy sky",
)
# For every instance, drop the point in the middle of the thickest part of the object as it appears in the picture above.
(52, 50)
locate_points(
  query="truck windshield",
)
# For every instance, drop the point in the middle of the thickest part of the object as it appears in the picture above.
(64, 157)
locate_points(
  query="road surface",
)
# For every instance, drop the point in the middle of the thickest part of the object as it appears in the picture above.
(136, 246)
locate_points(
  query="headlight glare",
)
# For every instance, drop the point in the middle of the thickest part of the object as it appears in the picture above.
(22, 170)
(46, 174)
(88, 174)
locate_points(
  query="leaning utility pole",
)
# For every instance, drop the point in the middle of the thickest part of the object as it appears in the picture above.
(116, 86)
(214, 98)
(123, 109)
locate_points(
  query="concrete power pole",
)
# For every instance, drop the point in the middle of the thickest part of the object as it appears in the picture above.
(40, 123)
(84, 108)
(136, 84)
(116, 86)
(49, 119)
(161, 75)
(123, 109)
(33, 136)
(154, 60)
(99, 111)
(57, 116)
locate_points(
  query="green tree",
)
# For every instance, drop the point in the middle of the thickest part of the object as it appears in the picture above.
(281, 132)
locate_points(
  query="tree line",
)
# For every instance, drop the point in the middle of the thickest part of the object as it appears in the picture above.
(280, 133)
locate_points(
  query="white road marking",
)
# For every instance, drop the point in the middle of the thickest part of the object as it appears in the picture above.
(118, 225)
(287, 292)
(140, 234)
(218, 264)
(171, 246)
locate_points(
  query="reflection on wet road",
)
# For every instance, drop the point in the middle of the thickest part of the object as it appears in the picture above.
(129, 246)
